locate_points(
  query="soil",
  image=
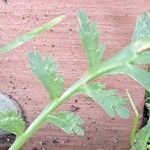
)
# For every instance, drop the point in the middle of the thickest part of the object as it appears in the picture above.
(6, 141)
(5, 1)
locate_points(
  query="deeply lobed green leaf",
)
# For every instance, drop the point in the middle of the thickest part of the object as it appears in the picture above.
(46, 71)
(107, 99)
(30, 35)
(67, 121)
(12, 122)
(90, 38)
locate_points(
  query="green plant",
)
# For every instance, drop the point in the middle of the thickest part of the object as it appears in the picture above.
(30, 35)
(140, 139)
(124, 62)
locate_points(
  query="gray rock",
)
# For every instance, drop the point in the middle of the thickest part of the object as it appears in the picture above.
(7, 103)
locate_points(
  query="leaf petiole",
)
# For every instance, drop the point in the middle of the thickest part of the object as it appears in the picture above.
(135, 119)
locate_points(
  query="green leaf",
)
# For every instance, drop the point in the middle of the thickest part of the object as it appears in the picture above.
(69, 122)
(46, 71)
(12, 122)
(138, 74)
(90, 38)
(107, 99)
(143, 58)
(30, 35)
(142, 138)
(142, 28)
(141, 35)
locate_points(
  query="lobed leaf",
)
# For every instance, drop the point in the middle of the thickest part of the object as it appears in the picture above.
(141, 35)
(90, 38)
(30, 35)
(142, 27)
(46, 71)
(69, 122)
(12, 122)
(107, 99)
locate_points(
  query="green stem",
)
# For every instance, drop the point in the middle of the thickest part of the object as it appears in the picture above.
(135, 119)
(108, 65)
(40, 120)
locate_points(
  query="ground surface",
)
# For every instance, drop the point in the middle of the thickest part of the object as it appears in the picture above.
(115, 19)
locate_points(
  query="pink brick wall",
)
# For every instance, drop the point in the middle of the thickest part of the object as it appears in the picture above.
(116, 20)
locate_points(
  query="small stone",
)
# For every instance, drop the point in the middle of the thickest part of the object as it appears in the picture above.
(7, 103)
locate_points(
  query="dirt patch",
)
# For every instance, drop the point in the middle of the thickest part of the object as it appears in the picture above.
(6, 141)
(6, 1)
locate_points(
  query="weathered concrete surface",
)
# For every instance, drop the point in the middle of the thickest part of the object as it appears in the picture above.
(116, 20)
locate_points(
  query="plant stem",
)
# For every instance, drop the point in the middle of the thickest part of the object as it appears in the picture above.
(40, 120)
(135, 119)
(103, 69)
